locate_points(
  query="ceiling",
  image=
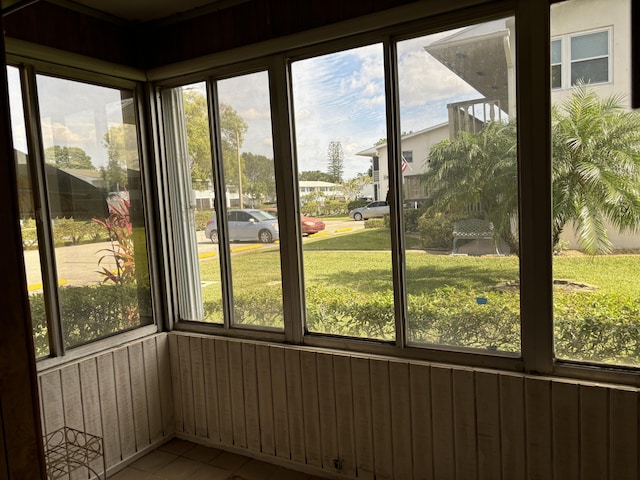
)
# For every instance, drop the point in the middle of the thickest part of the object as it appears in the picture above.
(132, 10)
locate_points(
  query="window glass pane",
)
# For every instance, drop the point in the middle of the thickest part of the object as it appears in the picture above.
(596, 194)
(250, 193)
(457, 111)
(339, 110)
(556, 76)
(556, 51)
(27, 217)
(94, 192)
(589, 46)
(590, 71)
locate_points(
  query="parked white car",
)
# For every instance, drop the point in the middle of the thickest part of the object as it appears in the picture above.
(246, 225)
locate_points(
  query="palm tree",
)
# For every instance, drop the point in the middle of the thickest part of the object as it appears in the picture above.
(478, 169)
(596, 168)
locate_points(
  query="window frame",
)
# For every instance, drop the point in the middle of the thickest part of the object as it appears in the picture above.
(29, 69)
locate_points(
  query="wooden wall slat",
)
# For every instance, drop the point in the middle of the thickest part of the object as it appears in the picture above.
(362, 418)
(295, 406)
(188, 413)
(565, 406)
(381, 412)
(401, 426)
(224, 392)
(91, 403)
(265, 400)
(251, 406)
(166, 387)
(344, 414)
(197, 379)
(176, 383)
(421, 428)
(624, 435)
(512, 426)
(538, 428)
(326, 404)
(442, 423)
(152, 386)
(236, 386)
(280, 410)
(125, 403)
(594, 432)
(72, 404)
(53, 406)
(211, 388)
(109, 409)
(311, 409)
(488, 425)
(464, 424)
(139, 396)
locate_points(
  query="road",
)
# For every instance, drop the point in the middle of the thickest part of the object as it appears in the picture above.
(78, 264)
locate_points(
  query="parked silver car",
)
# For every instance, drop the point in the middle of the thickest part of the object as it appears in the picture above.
(246, 225)
(373, 209)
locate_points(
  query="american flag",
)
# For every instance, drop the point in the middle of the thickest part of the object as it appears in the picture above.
(404, 164)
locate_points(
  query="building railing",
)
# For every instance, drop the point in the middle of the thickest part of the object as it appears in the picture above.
(470, 116)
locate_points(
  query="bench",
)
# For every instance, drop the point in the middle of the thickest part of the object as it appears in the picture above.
(473, 229)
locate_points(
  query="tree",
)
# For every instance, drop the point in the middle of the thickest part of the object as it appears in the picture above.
(121, 142)
(315, 175)
(596, 168)
(478, 169)
(260, 177)
(198, 139)
(335, 161)
(352, 188)
(595, 171)
(68, 157)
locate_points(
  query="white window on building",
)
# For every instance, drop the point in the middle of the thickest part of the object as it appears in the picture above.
(581, 58)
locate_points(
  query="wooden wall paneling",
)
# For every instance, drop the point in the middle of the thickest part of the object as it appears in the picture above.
(295, 407)
(152, 386)
(224, 392)
(197, 379)
(211, 388)
(401, 427)
(188, 414)
(125, 403)
(594, 432)
(623, 408)
(464, 424)
(421, 425)
(165, 386)
(72, 404)
(487, 397)
(265, 400)
(344, 414)
(91, 403)
(4, 463)
(176, 383)
(538, 428)
(139, 396)
(327, 406)
(251, 407)
(512, 426)
(381, 414)
(442, 423)
(311, 411)
(109, 409)
(236, 386)
(53, 406)
(362, 418)
(280, 410)
(565, 405)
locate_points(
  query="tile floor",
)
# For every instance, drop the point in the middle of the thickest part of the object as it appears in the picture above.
(183, 460)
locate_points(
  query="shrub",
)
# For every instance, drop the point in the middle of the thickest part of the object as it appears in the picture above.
(436, 230)
(356, 204)
(376, 223)
(410, 219)
(201, 218)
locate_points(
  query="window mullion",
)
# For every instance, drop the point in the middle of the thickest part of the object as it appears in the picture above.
(395, 190)
(42, 212)
(534, 152)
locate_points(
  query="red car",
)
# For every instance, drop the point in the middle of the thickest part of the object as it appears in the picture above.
(309, 225)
